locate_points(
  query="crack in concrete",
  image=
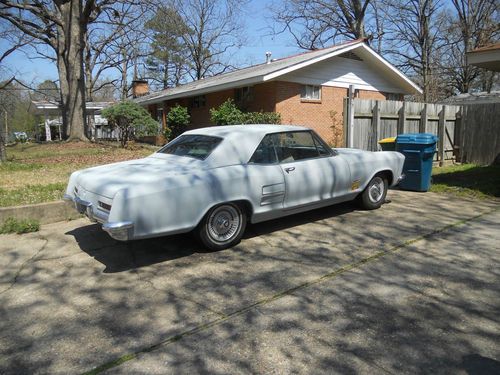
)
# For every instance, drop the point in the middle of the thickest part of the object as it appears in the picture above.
(264, 301)
(216, 312)
(56, 258)
(20, 269)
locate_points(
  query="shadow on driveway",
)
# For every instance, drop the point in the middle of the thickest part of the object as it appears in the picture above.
(123, 256)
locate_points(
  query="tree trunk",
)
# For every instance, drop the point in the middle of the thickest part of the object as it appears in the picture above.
(124, 90)
(71, 74)
(3, 139)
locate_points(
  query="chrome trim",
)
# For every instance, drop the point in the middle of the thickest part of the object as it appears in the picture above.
(400, 178)
(119, 230)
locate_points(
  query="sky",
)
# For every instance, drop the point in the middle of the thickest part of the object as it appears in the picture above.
(259, 40)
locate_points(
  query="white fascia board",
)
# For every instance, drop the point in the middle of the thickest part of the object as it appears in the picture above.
(304, 64)
(362, 45)
(203, 90)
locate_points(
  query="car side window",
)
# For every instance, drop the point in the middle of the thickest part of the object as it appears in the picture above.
(291, 146)
(320, 145)
(265, 152)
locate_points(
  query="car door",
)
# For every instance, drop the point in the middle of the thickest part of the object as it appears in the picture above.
(313, 172)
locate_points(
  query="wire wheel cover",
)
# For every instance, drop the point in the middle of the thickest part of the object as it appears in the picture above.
(224, 223)
(376, 190)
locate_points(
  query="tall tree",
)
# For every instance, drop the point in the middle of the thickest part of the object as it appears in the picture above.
(215, 28)
(61, 25)
(47, 90)
(318, 23)
(472, 24)
(414, 40)
(110, 39)
(167, 61)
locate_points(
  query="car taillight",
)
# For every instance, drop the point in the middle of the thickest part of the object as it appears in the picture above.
(105, 206)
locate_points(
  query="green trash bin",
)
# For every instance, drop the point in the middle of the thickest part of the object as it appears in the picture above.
(388, 144)
(419, 150)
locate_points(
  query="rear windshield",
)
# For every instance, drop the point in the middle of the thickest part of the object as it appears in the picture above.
(194, 146)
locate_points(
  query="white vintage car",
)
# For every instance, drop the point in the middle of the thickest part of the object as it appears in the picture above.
(213, 180)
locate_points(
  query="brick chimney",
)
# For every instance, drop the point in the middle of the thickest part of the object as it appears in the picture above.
(140, 87)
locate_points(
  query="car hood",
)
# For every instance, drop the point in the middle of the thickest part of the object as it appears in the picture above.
(106, 180)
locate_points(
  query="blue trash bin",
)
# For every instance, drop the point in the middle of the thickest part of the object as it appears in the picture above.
(419, 150)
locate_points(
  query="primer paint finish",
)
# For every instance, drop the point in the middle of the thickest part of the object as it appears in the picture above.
(167, 194)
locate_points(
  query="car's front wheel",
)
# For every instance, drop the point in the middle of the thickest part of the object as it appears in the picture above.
(222, 227)
(374, 194)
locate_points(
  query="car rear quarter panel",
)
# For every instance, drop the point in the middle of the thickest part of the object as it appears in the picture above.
(178, 204)
(365, 165)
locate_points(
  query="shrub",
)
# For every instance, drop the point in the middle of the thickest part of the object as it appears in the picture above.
(131, 119)
(177, 120)
(12, 225)
(261, 118)
(229, 114)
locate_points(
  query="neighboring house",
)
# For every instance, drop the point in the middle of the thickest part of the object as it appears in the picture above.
(473, 98)
(306, 89)
(50, 129)
(487, 57)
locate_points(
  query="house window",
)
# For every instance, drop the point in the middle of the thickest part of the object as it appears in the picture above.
(396, 97)
(198, 101)
(243, 95)
(159, 117)
(310, 92)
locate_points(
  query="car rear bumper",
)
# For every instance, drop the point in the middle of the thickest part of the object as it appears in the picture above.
(400, 178)
(120, 230)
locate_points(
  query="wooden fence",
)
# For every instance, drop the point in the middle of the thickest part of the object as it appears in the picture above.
(467, 134)
(372, 120)
(478, 133)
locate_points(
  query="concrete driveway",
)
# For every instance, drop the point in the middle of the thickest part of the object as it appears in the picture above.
(413, 287)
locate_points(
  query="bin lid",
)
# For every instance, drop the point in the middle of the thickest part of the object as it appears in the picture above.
(417, 138)
(387, 140)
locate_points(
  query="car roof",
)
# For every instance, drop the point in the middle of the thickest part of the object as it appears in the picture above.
(239, 141)
(262, 129)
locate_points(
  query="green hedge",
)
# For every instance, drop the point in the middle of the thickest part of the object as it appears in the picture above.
(229, 114)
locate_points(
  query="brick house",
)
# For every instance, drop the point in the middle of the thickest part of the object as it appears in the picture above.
(306, 89)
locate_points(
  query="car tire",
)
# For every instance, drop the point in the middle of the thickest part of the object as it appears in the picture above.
(374, 194)
(222, 227)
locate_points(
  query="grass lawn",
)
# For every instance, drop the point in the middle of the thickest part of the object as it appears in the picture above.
(36, 173)
(467, 180)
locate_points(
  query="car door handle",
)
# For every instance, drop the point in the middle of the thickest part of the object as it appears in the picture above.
(290, 169)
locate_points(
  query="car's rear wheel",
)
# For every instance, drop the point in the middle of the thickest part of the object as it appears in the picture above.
(374, 194)
(222, 227)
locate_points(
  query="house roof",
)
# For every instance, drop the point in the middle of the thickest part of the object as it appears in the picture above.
(277, 68)
(487, 57)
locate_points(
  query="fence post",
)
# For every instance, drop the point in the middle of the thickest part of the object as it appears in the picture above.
(402, 119)
(441, 126)
(423, 119)
(457, 135)
(375, 125)
(346, 121)
(350, 120)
